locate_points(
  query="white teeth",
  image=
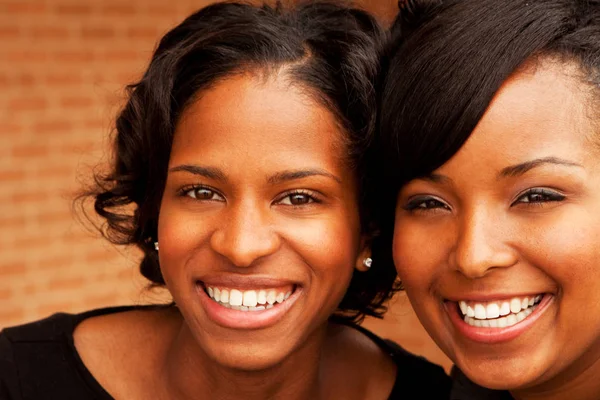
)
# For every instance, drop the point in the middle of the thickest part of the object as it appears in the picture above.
(492, 311)
(479, 311)
(280, 297)
(250, 298)
(515, 305)
(470, 311)
(498, 314)
(262, 297)
(224, 296)
(463, 307)
(247, 300)
(235, 297)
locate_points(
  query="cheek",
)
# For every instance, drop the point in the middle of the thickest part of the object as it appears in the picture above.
(566, 249)
(418, 254)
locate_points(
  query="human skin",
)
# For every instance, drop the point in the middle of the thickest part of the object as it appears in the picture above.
(480, 229)
(269, 201)
(278, 207)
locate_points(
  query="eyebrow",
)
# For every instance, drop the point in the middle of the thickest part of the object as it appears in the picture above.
(207, 172)
(299, 174)
(522, 168)
(435, 178)
(218, 175)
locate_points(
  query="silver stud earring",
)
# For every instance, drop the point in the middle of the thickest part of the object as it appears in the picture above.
(156, 246)
(367, 262)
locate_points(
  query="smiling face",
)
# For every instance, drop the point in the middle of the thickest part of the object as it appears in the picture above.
(259, 223)
(498, 249)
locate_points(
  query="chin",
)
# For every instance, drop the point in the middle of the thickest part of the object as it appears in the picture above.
(502, 374)
(246, 357)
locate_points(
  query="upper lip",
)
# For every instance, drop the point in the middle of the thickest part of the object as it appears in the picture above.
(485, 297)
(244, 281)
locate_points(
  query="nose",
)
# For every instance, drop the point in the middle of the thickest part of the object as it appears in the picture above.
(482, 245)
(245, 235)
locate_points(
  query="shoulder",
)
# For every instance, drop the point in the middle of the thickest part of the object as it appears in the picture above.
(39, 359)
(35, 359)
(413, 376)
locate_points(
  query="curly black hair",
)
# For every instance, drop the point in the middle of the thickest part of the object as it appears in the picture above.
(331, 49)
(443, 66)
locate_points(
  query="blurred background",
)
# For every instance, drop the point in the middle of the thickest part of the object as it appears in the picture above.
(63, 68)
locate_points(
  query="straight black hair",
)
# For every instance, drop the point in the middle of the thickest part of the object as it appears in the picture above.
(446, 61)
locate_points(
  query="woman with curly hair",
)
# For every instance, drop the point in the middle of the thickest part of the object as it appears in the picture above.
(489, 125)
(239, 173)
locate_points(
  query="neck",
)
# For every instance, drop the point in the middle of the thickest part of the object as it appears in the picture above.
(578, 382)
(191, 372)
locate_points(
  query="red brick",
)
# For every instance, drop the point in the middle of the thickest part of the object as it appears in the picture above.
(146, 32)
(76, 102)
(26, 56)
(10, 128)
(75, 8)
(68, 57)
(16, 268)
(53, 127)
(66, 283)
(56, 172)
(21, 7)
(29, 151)
(49, 32)
(26, 79)
(5, 294)
(63, 79)
(117, 10)
(55, 262)
(97, 32)
(11, 222)
(9, 32)
(11, 175)
(27, 104)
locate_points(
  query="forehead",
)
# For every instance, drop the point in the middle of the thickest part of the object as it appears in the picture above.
(247, 113)
(247, 116)
(543, 110)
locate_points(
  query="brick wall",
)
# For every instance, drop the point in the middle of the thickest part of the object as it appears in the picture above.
(63, 66)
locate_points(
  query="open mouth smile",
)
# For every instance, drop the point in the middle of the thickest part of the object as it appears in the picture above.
(497, 321)
(498, 314)
(245, 306)
(249, 300)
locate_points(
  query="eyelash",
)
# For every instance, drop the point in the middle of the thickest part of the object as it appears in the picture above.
(310, 195)
(415, 205)
(432, 203)
(185, 192)
(547, 195)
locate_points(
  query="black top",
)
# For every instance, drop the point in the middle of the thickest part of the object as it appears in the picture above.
(464, 389)
(39, 361)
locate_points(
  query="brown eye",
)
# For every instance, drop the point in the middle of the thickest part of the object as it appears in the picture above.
(539, 195)
(202, 193)
(297, 199)
(425, 203)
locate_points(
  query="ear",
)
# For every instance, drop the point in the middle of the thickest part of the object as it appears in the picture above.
(364, 254)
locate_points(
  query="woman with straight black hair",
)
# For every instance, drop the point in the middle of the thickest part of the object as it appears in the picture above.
(490, 175)
(239, 174)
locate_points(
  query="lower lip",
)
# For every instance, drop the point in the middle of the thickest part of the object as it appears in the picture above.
(236, 319)
(496, 335)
